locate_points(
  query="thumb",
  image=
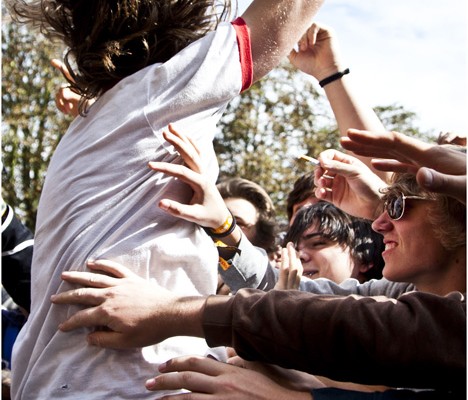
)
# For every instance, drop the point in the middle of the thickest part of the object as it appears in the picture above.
(450, 185)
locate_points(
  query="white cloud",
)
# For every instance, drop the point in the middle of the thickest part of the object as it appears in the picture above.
(410, 52)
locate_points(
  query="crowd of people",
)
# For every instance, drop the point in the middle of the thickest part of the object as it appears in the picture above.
(152, 280)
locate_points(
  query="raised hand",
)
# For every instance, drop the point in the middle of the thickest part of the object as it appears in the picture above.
(317, 53)
(66, 100)
(290, 269)
(349, 184)
(207, 207)
(438, 168)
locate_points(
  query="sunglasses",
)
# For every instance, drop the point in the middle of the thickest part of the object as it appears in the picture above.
(395, 204)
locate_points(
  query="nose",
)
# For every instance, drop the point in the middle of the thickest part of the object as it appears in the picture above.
(383, 223)
(302, 253)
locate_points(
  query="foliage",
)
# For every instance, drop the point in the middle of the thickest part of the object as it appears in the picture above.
(265, 129)
(395, 118)
(279, 118)
(31, 125)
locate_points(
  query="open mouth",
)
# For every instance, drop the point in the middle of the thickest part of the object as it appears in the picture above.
(310, 274)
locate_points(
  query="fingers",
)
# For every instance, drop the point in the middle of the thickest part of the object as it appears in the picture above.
(204, 365)
(193, 373)
(311, 35)
(393, 166)
(185, 146)
(88, 279)
(108, 339)
(295, 267)
(87, 318)
(194, 179)
(81, 296)
(290, 269)
(111, 267)
(97, 280)
(385, 145)
(58, 64)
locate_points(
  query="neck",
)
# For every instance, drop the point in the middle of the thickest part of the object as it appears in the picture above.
(451, 277)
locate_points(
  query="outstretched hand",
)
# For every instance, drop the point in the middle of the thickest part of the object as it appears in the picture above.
(206, 378)
(135, 311)
(438, 168)
(207, 207)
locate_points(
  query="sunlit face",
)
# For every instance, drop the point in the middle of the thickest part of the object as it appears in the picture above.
(412, 252)
(324, 258)
(246, 215)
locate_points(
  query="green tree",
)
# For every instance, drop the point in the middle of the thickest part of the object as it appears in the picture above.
(396, 118)
(31, 124)
(267, 127)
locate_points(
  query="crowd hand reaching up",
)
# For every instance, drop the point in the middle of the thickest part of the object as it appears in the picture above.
(66, 100)
(207, 207)
(207, 378)
(349, 184)
(438, 168)
(135, 311)
(317, 53)
(290, 269)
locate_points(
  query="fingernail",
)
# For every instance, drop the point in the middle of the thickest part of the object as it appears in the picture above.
(162, 367)
(150, 383)
(428, 178)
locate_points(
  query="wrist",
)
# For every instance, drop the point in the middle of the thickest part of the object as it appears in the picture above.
(224, 230)
(188, 313)
(333, 77)
(324, 72)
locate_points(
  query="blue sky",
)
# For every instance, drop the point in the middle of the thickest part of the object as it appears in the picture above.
(410, 52)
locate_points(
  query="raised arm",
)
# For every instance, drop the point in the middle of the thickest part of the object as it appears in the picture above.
(318, 55)
(275, 27)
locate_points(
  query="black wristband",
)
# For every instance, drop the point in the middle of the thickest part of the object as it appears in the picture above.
(333, 77)
(210, 232)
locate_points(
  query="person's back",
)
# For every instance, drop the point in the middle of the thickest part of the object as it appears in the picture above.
(90, 208)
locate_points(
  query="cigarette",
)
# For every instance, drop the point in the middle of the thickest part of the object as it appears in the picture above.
(311, 160)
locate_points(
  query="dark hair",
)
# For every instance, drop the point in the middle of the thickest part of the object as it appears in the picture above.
(303, 188)
(364, 244)
(252, 192)
(109, 40)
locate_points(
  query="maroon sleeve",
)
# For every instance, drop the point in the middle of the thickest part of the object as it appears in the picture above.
(245, 52)
(418, 340)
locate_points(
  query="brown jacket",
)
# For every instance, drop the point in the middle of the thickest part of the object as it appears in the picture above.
(416, 341)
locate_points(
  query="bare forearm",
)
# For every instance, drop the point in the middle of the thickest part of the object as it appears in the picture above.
(351, 113)
(275, 28)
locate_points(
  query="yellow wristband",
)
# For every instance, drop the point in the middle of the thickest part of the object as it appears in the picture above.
(224, 230)
(224, 227)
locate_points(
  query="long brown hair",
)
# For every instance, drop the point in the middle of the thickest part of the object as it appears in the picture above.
(109, 40)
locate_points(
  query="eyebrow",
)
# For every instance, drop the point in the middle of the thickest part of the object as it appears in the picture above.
(311, 235)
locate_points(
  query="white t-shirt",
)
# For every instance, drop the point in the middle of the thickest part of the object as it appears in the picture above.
(100, 200)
